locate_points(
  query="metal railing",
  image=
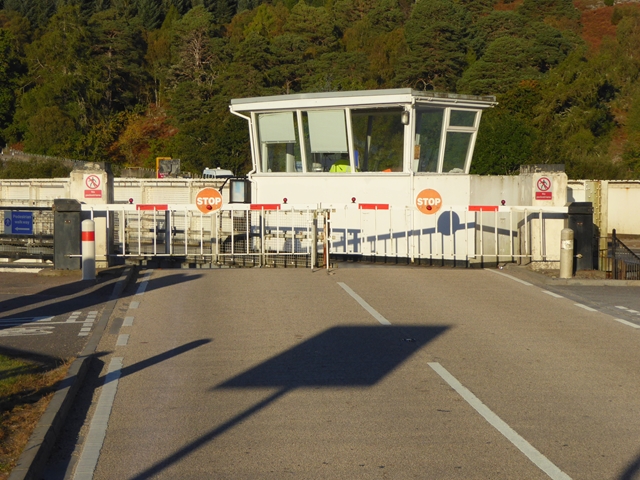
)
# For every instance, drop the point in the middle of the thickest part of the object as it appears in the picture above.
(37, 244)
(625, 262)
(289, 235)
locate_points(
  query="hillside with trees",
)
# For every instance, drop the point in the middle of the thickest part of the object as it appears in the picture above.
(125, 81)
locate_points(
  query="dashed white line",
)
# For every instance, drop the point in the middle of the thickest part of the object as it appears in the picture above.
(509, 276)
(98, 427)
(542, 462)
(128, 322)
(134, 305)
(123, 339)
(629, 324)
(145, 281)
(364, 304)
(589, 309)
(621, 307)
(552, 294)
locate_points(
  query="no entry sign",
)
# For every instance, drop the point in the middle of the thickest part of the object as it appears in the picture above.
(544, 189)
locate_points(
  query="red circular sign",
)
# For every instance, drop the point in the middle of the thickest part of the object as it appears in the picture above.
(428, 201)
(544, 184)
(92, 182)
(208, 200)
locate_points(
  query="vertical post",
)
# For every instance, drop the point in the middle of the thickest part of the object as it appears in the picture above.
(314, 240)
(613, 254)
(88, 250)
(566, 253)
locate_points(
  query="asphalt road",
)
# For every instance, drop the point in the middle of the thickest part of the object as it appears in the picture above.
(49, 318)
(365, 373)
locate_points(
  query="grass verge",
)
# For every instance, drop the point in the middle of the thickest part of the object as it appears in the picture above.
(25, 391)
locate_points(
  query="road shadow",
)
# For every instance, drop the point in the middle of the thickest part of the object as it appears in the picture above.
(58, 466)
(632, 472)
(77, 296)
(345, 356)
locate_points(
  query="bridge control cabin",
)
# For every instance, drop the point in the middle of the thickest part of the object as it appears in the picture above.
(392, 168)
(374, 145)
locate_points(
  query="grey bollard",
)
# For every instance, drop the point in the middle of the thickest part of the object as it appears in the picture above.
(566, 253)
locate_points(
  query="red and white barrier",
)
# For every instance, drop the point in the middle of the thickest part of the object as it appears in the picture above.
(88, 250)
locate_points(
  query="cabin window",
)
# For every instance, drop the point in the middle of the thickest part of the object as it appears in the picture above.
(325, 140)
(378, 139)
(279, 144)
(426, 150)
(444, 139)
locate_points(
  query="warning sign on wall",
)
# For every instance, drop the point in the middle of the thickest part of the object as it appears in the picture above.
(92, 186)
(544, 189)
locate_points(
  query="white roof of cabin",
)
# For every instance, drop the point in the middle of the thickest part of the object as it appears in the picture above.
(397, 96)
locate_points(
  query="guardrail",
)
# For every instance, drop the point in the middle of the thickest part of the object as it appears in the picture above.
(300, 235)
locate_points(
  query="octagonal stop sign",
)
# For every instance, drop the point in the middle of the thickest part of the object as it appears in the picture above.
(208, 200)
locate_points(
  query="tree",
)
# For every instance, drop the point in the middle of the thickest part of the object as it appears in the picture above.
(436, 36)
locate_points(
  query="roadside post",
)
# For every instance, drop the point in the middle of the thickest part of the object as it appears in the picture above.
(566, 253)
(88, 250)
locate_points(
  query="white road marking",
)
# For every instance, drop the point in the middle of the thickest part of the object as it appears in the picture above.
(621, 307)
(128, 322)
(552, 294)
(23, 331)
(98, 427)
(134, 305)
(364, 304)
(25, 320)
(585, 307)
(629, 324)
(509, 276)
(633, 311)
(123, 339)
(85, 329)
(542, 462)
(143, 285)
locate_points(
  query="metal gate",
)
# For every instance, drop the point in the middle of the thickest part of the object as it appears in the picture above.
(289, 235)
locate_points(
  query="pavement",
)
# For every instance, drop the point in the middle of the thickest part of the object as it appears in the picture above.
(371, 372)
(273, 373)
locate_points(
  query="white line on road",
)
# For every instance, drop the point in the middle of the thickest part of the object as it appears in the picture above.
(134, 305)
(552, 294)
(123, 339)
(629, 324)
(143, 285)
(364, 304)
(621, 307)
(585, 307)
(128, 322)
(542, 462)
(510, 276)
(98, 428)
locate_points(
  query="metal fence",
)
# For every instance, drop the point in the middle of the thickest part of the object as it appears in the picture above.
(34, 241)
(625, 262)
(289, 235)
(237, 235)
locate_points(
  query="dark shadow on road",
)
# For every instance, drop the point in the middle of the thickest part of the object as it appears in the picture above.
(346, 356)
(77, 296)
(44, 360)
(60, 458)
(632, 472)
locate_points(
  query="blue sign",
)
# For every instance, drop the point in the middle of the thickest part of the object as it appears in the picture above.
(21, 223)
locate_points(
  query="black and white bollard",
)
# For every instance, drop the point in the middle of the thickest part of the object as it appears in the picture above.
(88, 250)
(566, 253)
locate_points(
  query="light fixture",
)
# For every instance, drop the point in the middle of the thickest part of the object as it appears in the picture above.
(405, 117)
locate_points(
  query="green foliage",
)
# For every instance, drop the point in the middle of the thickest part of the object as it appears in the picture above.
(49, 168)
(128, 80)
(436, 36)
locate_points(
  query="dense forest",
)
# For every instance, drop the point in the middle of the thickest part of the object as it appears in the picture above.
(128, 80)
